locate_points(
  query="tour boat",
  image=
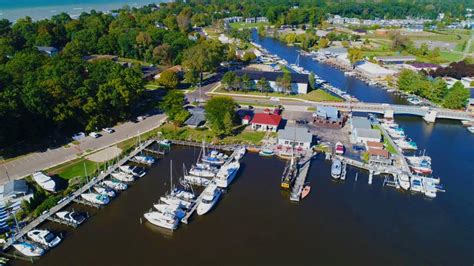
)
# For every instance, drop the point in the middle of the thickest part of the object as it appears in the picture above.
(123, 177)
(44, 237)
(116, 185)
(71, 217)
(211, 195)
(96, 198)
(203, 170)
(336, 169)
(305, 192)
(339, 148)
(176, 201)
(266, 152)
(133, 170)
(29, 249)
(157, 219)
(44, 181)
(214, 158)
(423, 167)
(147, 160)
(226, 174)
(404, 181)
(165, 143)
(196, 180)
(173, 209)
(105, 191)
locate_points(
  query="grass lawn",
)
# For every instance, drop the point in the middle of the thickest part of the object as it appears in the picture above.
(74, 168)
(387, 144)
(243, 25)
(450, 56)
(247, 137)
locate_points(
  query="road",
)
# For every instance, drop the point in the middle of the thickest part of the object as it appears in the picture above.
(37, 161)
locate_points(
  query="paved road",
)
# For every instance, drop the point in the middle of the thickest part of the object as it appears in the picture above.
(37, 161)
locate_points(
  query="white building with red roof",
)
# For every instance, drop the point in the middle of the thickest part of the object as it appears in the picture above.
(265, 122)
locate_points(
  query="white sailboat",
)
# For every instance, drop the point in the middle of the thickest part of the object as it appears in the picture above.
(123, 177)
(211, 195)
(203, 170)
(196, 180)
(29, 249)
(44, 237)
(226, 174)
(173, 209)
(96, 198)
(44, 181)
(116, 185)
(105, 191)
(132, 170)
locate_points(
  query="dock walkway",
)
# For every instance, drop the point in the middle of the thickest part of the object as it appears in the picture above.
(303, 169)
(49, 214)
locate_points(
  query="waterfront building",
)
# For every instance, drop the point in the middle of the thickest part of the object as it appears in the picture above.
(299, 82)
(379, 156)
(373, 71)
(328, 116)
(395, 60)
(417, 66)
(297, 137)
(374, 145)
(363, 135)
(360, 122)
(265, 122)
(13, 189)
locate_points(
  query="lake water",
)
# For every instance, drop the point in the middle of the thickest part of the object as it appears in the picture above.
(40, 9)
(256, 224)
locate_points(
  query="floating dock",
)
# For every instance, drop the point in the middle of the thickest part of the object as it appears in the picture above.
(302, 173)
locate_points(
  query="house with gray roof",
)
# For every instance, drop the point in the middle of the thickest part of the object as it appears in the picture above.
(14, 189)
(364, 135)
(360, 122)
(198, 117)
(297, 137)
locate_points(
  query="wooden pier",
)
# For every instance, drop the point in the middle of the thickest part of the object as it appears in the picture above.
(61, 221)
(87, 203)
(50, 213)
(303, 169)
(156, 152)
(208, 146)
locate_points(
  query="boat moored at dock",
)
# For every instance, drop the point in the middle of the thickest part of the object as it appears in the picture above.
(29, 249)
(96, 198)
(146, 160)
(226, 174)
(122, 177)
(105, 191)
(339, 148)
(158, 219)
(133, 170)
(404, 181)
(116, 185)
(44, 237)
(336, 169)
(211, 195)
(71, 217)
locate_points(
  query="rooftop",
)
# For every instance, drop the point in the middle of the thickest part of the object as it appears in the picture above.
(14, 187)
(266, 119)
(379, 152)
(327, 112)
(395, 58)
(299, 134)
(373, 144)
(272, 76)
(360, 122)
(367, 133)
(334, 50)
(198, 117)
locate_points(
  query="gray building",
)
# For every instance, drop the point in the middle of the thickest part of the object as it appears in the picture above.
(298, 137)
(360, 122)
(198, 117)
(363, 135)
(14, 189)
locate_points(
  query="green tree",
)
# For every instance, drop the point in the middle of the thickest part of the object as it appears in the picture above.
(205, 56)
(312, 80)
(406, 80)
(284, 82)
(227, 124)
(173, 105)
(355, 55)
(456, 97)
(168, 79)
(219, 110)
(263, 85)
(228, 79)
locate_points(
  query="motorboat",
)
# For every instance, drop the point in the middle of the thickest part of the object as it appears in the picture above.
(123, 177)
(44, 237)
(471, 129)
(418, 159)
(422, 167)
(71, 217)
(226, 174)
(171, 200)
(29, 249)
(240, 153)
(156, 218)
(44, 181)
(406, 144)
(266, 152)
(305, 192)
(183, 194)
(203, 170)
(404, 181)
(336, 169)
(416, 184)
(96, 198)
(211, 195)
(116, 185)
(414, 100)
(165, 143)
(105, 191)
(214, 158)
(133, 170)
(339, 148)
(430, 187)
(196, 180)
(172, 209)
(147, 160)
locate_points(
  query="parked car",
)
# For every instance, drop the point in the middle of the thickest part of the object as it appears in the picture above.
(79, 136)
(141, 118)
(108, 130)
(95, 135)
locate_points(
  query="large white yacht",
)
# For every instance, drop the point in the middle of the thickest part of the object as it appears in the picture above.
(226, 174)
(211, 195)
(29, 249)
(171, 200)
(173, 209)
(96, 198)
(44, 181)
(196, 180)
(404, 181)
(44, 237)
(203, 170)
(158, 219)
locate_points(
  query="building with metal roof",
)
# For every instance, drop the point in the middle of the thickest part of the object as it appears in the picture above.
(299, 82)
(198, 117)
(14, 189)
(297, 137)
(396, 59)
(363, 135)
(360, 122)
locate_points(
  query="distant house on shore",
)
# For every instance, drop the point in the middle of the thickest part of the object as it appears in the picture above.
(299, 82)
(265, 122)
(297, 137)
(374, 71)
(328, 116)
(49, 50)
(396, 59)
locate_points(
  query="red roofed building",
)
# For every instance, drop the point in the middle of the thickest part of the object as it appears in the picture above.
(265, 122)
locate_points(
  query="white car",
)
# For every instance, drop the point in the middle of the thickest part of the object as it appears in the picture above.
(108, 130)
(141, 118)
(275, 99)
(95, 134)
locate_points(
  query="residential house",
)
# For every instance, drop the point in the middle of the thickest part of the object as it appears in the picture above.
(13, 189)
(295, 137)
(328, 116)
(299, 82)
(265, 122)
(395, 59)
(363, 135)
(197, 119)
(379, 156)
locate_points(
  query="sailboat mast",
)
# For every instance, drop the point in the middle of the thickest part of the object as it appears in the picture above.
(171, 175)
